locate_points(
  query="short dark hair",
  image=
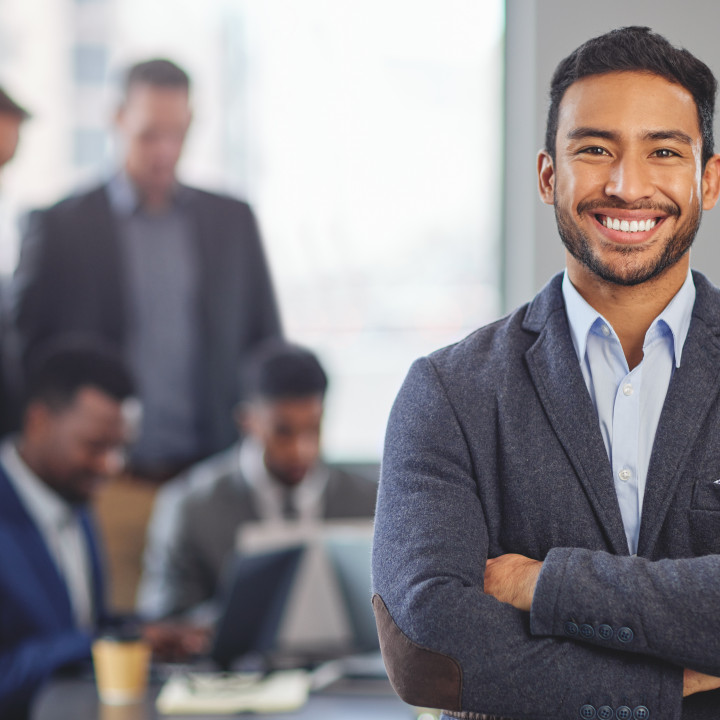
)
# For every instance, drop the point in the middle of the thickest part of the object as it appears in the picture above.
(636, 49)
(8, 106)
(159, 73)
(60, 369)
(279, 370)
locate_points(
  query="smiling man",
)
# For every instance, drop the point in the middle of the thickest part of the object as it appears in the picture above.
(548, 523)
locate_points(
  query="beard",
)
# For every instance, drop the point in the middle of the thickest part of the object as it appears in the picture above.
(629, 268)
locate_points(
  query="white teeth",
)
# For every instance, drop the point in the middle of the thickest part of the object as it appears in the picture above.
(629, 225)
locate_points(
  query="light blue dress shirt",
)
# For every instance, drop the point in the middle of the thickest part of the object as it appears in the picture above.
(628, 402)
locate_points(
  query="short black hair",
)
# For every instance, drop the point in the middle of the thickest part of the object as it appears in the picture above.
(279, 370)
(8, 106)
(159, 73)
(63, 367)
(636, 49)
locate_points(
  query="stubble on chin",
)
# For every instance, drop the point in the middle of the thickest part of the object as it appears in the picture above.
(629, 268)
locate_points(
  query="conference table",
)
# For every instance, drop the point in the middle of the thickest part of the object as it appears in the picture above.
(76, 699)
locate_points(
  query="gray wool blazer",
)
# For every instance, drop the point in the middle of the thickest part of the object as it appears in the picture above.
(194, 525)
(493, 446)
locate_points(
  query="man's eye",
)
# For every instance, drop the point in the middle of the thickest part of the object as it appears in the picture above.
(594, 151)
(665, 153)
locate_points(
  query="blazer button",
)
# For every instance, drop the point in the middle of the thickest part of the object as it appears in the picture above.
(571, 628)
(623, 713)
(641, 713)
(605, 712)
(587, 712)
(587, 631)
(625, 635)
(605, 632)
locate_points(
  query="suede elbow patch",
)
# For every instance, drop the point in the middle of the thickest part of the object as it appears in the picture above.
(419, 676)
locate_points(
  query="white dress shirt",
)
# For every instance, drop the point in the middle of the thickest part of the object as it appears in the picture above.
(60, 528)
(269, 493)
(629, 402)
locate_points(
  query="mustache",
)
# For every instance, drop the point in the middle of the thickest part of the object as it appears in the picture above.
(614, 204)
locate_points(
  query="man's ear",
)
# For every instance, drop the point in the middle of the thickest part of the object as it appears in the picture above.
(546, 177)
(35, 418)
(711, 182)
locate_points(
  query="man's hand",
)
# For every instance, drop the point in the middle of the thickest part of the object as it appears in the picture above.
(512, 579)
(694, 682)
(175, 641)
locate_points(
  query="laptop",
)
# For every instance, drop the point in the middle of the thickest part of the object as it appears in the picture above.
(253, 603)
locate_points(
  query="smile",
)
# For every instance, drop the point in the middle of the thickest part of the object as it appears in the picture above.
(631, 226)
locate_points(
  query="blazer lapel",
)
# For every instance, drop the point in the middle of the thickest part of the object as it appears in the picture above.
(98, 589)
(693, 389)
(555, 371)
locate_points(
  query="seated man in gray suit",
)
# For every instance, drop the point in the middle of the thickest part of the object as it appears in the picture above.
(274, 472)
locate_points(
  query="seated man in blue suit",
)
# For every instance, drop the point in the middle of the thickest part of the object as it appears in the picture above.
(51, 592)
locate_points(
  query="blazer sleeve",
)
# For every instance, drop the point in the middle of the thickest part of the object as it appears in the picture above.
(445, 643)
(666, 608)
(169, 583)
(267, 319)
(33, 286)
(25, 666)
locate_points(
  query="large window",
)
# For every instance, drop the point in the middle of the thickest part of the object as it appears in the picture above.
(365, 133)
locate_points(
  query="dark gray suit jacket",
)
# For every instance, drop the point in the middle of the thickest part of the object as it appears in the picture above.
(194, 526)
(69, 279)
(493, 447)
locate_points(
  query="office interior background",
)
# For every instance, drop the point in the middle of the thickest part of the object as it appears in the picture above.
(387, 147)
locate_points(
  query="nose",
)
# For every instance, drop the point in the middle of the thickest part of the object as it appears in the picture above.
(306, 449)
(630, 179)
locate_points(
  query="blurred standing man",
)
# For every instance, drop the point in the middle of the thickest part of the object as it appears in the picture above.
(548, 526)
(173, 275)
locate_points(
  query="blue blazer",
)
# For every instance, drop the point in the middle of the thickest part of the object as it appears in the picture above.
(38, 634)
(493, 446)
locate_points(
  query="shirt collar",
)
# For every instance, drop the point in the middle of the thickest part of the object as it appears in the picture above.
(124, 196)
(252, 466)
(676, 316)
(44, 504)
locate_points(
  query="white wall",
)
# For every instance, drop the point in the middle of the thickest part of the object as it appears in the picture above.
(539, 34)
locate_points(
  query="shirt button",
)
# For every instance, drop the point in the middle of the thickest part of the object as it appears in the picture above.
(625, 635)
(627, 389)
(605, 712)
(625, 474)
(623, 713)
(587, 712)
(605, 330)
(641, 713)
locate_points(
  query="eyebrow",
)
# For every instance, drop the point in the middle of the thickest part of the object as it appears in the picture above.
(580, 133)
